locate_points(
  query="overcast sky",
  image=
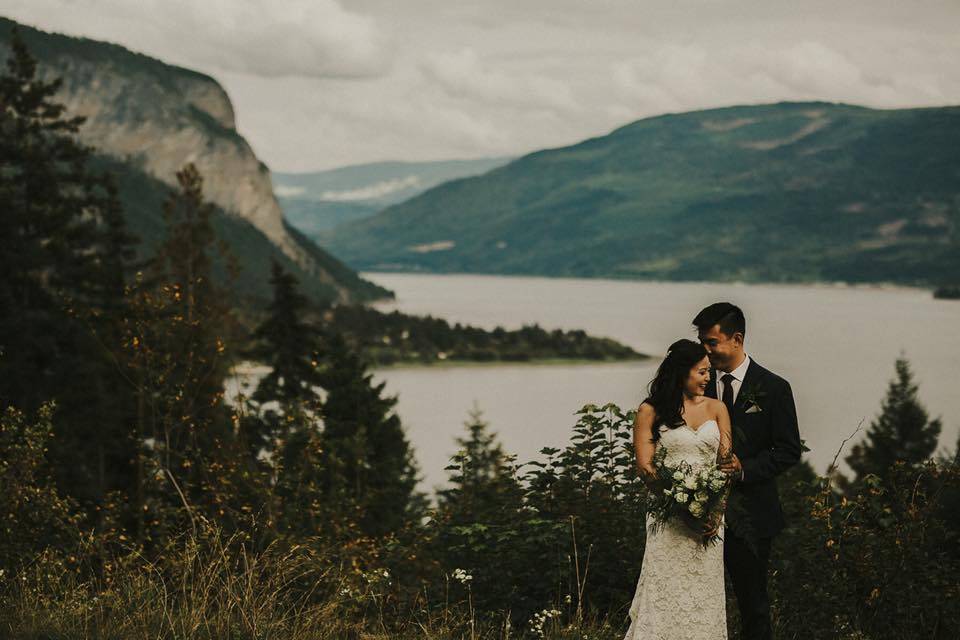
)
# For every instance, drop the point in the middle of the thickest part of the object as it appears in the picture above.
(323, 83)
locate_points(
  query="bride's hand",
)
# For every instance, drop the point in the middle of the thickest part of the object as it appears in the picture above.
(649, 476)
(711, 528)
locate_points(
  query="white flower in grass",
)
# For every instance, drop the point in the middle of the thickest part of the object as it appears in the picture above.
(462, 576)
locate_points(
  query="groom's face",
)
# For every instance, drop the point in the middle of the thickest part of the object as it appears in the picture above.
(724, 351)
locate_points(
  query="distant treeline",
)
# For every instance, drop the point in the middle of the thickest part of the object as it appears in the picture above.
(394, 337)
(947, 293)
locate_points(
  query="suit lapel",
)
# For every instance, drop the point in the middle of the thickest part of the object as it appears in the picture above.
(750, 379)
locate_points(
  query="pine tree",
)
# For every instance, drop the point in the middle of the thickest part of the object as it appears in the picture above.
(292, 348)
(480, 516)
(47, 197)
(368, 462)
(902, 431)
(483, 486)
(66, 255)
(177, 336)
(198, 319)
(305, 507)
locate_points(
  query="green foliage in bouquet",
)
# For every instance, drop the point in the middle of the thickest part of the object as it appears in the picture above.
(694, 495)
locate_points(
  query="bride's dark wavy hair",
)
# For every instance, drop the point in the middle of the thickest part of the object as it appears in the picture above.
(666, 388)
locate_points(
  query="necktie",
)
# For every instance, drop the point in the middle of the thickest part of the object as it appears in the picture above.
(727, 380)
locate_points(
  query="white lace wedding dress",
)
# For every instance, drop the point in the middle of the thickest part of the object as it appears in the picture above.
(680, 593)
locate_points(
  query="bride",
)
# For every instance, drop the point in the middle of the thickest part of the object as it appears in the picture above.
(680, 593)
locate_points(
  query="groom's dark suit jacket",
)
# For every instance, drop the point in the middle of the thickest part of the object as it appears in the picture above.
(767, 442)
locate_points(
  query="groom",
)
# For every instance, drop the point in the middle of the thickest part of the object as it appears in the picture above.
(766, 442)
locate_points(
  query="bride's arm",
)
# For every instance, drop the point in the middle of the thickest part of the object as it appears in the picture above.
(725, 449)
(643, 444)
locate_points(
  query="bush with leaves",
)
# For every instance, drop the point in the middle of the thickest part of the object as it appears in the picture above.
(880, 562)
(36, 516)
(565, 539)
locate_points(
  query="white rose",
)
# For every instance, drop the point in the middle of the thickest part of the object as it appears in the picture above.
(677, 475)
(696, 509)
(690, 483)
(680, 497)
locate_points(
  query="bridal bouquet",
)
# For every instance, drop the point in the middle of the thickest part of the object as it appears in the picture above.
(695, 495)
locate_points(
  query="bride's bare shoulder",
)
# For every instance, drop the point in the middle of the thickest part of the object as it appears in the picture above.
(715, 407)
(646, 412)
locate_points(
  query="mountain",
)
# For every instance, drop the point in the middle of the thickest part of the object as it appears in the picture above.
(143, 196)
(147, 119)
(793, 192)
(319, 201)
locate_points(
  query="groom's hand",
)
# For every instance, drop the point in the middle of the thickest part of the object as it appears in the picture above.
(731, 466)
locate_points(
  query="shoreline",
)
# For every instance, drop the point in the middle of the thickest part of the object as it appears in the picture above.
(535, 362)
(254, 368)
(818, 284)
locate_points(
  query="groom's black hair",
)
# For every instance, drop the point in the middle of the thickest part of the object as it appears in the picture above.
(728, 316)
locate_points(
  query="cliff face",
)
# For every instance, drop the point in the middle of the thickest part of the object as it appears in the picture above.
(157, 117)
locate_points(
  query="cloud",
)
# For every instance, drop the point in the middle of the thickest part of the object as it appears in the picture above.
(682, 77)
(334, 82)
(373, 191)
(288, 191)
(310, 38)
(463, 74)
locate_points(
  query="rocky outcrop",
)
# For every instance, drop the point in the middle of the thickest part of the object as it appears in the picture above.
(159, 117)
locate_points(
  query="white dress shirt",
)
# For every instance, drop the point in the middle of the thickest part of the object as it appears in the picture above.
(737, 382)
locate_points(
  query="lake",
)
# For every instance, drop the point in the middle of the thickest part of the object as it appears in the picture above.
(835, 344)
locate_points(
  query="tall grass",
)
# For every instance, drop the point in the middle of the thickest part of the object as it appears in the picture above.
(213, 586)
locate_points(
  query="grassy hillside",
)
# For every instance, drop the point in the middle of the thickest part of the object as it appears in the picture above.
(783, 192)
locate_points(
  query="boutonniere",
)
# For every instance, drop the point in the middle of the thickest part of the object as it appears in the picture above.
(752, 399)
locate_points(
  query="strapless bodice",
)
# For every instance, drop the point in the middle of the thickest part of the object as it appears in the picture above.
(695, 446)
